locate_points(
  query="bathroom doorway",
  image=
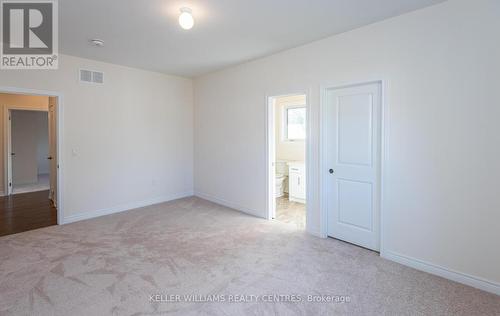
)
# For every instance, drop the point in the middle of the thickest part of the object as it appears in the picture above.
(287, 147)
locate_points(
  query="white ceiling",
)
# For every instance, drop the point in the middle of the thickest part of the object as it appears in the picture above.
(145, 33)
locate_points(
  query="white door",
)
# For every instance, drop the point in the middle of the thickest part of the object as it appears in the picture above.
(352, 144)
(53, 149)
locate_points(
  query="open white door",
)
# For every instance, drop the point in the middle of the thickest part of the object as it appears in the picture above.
(352, 149)
(53, 149)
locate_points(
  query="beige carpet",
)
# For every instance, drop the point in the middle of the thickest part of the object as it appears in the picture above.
(112, 265)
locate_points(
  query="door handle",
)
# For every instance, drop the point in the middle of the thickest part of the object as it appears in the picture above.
(12, 154)
(331, 171)
(49, 158)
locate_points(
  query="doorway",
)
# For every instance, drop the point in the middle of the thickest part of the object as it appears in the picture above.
(29, 142)
(287, 153)
(351, 162)
(29, 154)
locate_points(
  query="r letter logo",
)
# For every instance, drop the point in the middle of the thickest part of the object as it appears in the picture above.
(29, 35)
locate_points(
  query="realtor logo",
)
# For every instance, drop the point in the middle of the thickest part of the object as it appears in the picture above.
(29, 34)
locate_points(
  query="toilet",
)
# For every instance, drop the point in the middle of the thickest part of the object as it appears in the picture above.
(281, 178)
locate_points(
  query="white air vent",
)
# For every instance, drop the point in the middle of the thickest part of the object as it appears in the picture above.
(85, 75)
(97, 77)
(89, 76)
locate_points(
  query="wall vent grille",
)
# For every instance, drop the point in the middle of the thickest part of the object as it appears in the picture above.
(89, 76)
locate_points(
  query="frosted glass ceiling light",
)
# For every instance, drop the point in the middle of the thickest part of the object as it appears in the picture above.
(186, 20)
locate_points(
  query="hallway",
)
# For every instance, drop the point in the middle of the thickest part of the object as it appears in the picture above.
(27, 211)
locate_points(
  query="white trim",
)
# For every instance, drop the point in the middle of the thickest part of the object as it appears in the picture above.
(456, 276)
(229, 204)
(60, 136)
(308, 144)
(322, 153)
(323, 223)
(384, 154)
(308, 161)
(270, 150)
(125, 207)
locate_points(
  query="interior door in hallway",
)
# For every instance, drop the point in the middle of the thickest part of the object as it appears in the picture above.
(352, 141)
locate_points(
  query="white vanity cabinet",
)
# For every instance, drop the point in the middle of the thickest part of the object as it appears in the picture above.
(297, 182)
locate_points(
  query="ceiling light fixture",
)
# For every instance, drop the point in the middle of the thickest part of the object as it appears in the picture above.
(97, 42)
(186, 20)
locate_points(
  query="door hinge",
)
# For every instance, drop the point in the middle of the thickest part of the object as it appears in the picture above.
(10, 184)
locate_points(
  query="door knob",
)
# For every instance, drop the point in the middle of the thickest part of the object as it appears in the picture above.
(12, 154)
(331, 171)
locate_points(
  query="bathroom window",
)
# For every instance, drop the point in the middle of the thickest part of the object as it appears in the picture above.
(294, 123)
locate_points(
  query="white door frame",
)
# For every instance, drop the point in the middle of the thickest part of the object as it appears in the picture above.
(7, 115)
(271, 149)
(323, 164)
(59, 136)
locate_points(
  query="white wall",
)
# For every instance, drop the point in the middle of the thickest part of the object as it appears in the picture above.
(442, 69)
(126, 143)
(288, 150)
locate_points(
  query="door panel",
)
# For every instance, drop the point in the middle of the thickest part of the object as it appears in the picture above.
(355, 129)
(352, 145)
(355, 204)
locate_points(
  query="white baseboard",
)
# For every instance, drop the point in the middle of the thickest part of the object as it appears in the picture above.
(477, 282)
(125, 207)
(229, 204)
